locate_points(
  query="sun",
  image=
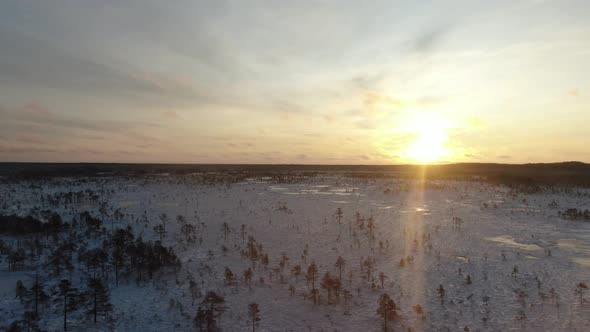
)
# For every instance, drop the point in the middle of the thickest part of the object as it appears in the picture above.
(428, 147)
(431, 142)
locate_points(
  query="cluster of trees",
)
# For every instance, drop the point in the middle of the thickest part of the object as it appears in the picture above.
(17, 225)
(94, 299)
(52, 247)
(575, 214)
(70, 197)
(134, 256)
(212, 308)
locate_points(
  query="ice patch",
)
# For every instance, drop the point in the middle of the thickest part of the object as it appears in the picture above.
(574, 245)
(274, 188)
(509, 241)
(582, 261)
(385, 207)
(167, 204)
(462, 259)
(341, 190)
(424, 211)
(126, 204)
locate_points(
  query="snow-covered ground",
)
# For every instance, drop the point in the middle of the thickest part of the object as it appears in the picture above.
(522, 259)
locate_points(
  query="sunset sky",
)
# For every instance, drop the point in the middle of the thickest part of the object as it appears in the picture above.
(330, 82)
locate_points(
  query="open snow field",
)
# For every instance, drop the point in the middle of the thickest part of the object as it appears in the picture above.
(505, 259)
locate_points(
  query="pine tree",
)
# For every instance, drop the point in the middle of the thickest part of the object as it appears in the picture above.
(248, 276)
(226, 230)
(160, 229)
(20, 291)
(254, 313)
(264, 260)
(296, 271)
(382, 278)
(99, 296)
(14, 327)
(581, 288)
(312, 274)
(164, 218)
(68, 297)
(243, 232)
(118, 259)
(200, 319)
(189, 232)
(340, 264)
(347, 297)
(16, 258)
(441, 293)
(387, 310)
(122, 243)
(194, 289)
(37, 295)
(327, 284)
(214, 308)
(338, 215)
(230, 278)
(31, 321)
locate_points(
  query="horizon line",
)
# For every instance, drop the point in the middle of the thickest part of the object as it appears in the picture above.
(286, 164)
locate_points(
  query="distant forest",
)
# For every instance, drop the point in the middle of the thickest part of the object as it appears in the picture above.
(539, 174)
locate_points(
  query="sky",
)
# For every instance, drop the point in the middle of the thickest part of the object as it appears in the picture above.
(305, 82)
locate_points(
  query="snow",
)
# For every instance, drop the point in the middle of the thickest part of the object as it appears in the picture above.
(519, 232)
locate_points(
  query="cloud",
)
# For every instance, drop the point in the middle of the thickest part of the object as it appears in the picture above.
(129, 153)
(429, 100)
(26, 125)
(474, 122)
(368, 81)
(29, 139)
(63, 122)
(288, 106)
(170, 114)
(504, 157)
(27, 150)
(139, 136)
(427, 41)
(29, 60)
(36, 107)
(73, 122)
(374, 99)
